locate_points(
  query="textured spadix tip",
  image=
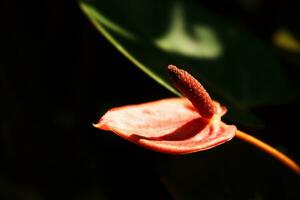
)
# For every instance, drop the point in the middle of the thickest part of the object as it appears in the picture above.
(192, 89)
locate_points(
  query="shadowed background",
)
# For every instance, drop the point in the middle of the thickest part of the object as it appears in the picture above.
(58, 75)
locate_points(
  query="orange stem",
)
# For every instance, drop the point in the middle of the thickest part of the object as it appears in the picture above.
(270, 150)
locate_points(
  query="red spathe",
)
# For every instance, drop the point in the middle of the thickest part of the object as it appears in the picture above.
(170, 126)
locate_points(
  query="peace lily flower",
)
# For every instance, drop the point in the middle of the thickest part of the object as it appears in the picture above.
(180, 125)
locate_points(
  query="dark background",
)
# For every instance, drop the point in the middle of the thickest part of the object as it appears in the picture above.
(58, 75)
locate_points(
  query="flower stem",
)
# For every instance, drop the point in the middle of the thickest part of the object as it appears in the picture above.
(284, 159)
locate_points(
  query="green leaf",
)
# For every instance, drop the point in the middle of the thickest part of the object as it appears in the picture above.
(237, 70)
(286, 40)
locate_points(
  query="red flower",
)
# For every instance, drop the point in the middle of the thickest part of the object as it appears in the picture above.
(181, 125)
(175, 125)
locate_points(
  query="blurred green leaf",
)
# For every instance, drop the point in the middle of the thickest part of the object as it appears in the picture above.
(286, 40)
(288, 44)
(237, 69)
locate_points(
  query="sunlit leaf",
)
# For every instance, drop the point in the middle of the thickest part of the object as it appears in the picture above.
(177, 39)
(237, 69)
(286, 40)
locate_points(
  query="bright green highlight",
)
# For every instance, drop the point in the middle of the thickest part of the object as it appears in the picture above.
(202, 43)
(286, 40)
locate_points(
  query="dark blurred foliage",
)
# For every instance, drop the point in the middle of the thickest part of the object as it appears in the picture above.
(58, 75)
